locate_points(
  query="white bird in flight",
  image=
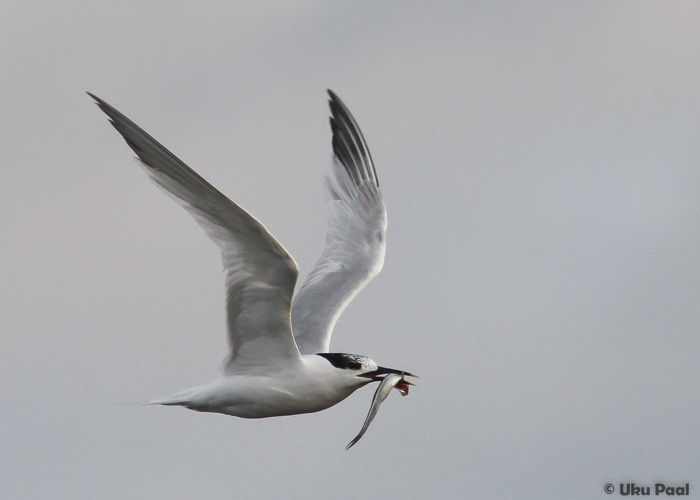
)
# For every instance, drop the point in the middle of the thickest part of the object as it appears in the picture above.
(279, 361)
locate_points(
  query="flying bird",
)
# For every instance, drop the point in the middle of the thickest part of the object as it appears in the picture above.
(279, 360)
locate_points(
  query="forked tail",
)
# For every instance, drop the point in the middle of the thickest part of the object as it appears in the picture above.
(183, 398)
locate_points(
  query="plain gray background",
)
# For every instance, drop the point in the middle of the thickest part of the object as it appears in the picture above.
(540, 162)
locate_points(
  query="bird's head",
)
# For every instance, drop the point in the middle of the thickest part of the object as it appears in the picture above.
(364, 369)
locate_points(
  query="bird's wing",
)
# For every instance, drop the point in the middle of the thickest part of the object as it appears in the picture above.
(355, 243)
(260, 274)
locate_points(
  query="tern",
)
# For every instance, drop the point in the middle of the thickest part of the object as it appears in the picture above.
(279, 360)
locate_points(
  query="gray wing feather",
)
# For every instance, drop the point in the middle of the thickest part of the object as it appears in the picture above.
(260, 274)
(355, 241)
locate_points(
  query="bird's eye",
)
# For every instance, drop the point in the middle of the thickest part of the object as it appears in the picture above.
(354, 365)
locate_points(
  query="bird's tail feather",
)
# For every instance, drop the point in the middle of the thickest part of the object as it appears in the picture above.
(183, 398)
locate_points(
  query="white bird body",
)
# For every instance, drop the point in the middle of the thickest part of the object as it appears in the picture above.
(310, 386)
(273, 369)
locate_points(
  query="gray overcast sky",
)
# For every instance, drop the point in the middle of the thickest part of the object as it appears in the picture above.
(540, 162)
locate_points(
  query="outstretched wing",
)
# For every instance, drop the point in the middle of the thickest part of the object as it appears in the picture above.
(260, 274)
(355, 243)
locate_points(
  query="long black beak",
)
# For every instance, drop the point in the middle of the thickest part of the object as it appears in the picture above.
(375, 375)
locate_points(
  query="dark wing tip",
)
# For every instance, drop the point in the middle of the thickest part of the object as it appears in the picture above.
(100, 102)
(349, 145)
(114, 115)
(151, 153)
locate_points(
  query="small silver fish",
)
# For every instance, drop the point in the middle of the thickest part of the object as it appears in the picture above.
(391, 381)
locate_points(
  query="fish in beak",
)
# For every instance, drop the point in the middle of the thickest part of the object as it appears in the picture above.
(392, 379)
